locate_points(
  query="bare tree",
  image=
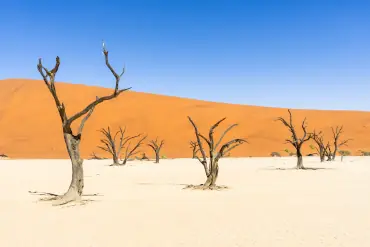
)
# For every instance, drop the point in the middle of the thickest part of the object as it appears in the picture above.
(72, 139)
(328, 152)
(93, 156)
(212, 168)
(110, 145)
(129, 152)
(336, 134)
(194, 146)
(320, 146)
(294, 140)
(156, 148)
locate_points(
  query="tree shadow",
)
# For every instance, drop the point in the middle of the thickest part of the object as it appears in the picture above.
(162, 184)
(295, 169)
(49, 197)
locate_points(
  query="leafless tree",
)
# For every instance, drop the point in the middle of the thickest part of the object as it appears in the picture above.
(130, 151)
(337, 144)
(294, 140)
(72, 139)
(110, 144)
(320, 146)
(328, 152)
(194, 147)
(212, 168)
(156, 146)
(93, 156)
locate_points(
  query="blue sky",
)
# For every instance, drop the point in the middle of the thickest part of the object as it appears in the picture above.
(296, 53)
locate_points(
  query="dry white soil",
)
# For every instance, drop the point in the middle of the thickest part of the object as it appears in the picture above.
(143, 204)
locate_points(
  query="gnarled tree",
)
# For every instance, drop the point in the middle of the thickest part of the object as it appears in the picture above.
(110, 144)
(337, 144)
(156, 146)
(195, 149)
(130, 151)
(294, 140)
(72, 138)
(328, 152)
(211, 169)
(320, 146)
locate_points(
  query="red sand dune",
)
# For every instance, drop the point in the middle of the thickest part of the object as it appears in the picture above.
(30, 126)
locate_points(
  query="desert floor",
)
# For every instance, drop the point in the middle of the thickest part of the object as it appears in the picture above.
(143, 204)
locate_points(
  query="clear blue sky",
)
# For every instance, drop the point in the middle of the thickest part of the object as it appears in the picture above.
(297, 53)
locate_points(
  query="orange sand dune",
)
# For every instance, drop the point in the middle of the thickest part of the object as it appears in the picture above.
(30, 126)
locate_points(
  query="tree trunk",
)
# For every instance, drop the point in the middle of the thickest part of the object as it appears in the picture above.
(194, 153)
(341, 158)
(322, 157)
(211, 179)
(299, 161)
(156, 157)
(334, 153)
(115, 160)
(77, 183)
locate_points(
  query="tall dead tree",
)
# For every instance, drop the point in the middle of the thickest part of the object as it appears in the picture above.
(294, 140)
(72, 138)
(328, 153)
(337, 144)
(194, 147)
(156, 146)
(132, 150)
(110, 144)
(320, 146)
(212, 168)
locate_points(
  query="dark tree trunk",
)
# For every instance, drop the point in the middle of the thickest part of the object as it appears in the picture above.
(322, 157)
(157, 157)
(334, 153)
(77, 183)
(194, 152)
(212, 178)
(299, 160)
(115, 160)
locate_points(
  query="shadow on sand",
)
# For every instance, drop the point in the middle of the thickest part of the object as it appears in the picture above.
(48, 197)
(295, 169)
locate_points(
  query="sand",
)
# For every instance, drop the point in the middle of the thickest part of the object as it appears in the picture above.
(30, 126)
(143, 204)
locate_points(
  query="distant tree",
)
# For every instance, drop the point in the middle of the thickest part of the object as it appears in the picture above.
(294, 140)
(215, 154)
(320, 146)
(194, 146)
(328, 152)
(110, 144)
(130, 151)
(72, 139)
(343, 153)
(156, 146)
(364, 153)
(337, 144)
(275, 154)
(93, 156)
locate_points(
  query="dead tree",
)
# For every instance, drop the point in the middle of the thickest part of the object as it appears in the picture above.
(328, 153)
(295, 141)
(194, 146)
(156, 148)
(72, 138)
(110, 144)
(212, 168)
(129, 152)
(93, 156)
(320, 146)
(336, 134)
